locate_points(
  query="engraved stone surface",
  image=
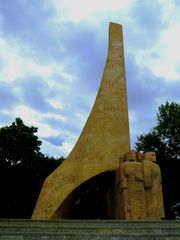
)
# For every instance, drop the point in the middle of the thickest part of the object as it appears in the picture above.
(153, 187)
(140, 188)
(104, 145)
(104, 139)
(132, 193)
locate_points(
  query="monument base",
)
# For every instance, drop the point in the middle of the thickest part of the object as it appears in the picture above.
(21, 229)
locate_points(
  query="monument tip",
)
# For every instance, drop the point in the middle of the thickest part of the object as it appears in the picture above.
(113, 24)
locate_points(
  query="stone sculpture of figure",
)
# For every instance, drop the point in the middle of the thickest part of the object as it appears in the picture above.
(131, 186)
(139, 187)
(153, 187)
(139, 156)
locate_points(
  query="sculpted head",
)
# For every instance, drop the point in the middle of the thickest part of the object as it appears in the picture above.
(139, 156)
(130, 156)
(149, 156)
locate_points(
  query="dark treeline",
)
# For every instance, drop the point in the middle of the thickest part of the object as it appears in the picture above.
(23, 169)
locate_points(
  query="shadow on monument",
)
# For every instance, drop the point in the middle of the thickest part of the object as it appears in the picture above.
(91, 200)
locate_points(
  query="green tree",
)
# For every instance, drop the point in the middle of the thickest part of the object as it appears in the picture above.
(164, 139)
(23, 169)
(18, 144)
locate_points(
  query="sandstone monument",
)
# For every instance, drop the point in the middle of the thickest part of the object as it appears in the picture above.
(139, 187)
(104, 145)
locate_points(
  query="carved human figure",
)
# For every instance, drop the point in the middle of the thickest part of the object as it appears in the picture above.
(139, 156)
(132, 193)
(153, 187)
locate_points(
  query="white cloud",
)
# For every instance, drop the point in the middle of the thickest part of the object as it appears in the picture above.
(55, 103)
(168, 64)
(32, 117)
(170, 11)
(11, 63)
(133, 122)
(27, 114)
(88, 10)
(58, 151)
(16, 64)
(163, 57)
(57, 117)
(67, 146)
(47, 148)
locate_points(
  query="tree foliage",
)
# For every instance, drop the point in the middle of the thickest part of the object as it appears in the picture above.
(164, 139)
(18, 144)
(23, 169)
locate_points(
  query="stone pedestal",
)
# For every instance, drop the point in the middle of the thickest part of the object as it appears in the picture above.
(12, 229)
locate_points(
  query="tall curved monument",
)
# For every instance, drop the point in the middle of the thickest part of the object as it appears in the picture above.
(104, 141)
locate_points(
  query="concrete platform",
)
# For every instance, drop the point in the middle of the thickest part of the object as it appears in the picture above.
(22, 229)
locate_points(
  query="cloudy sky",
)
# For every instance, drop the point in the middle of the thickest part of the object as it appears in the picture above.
(52, 55)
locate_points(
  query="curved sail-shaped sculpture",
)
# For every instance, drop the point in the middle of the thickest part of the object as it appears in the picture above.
(104, 139)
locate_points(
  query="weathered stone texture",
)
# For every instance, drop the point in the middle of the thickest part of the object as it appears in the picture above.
(17, 229)
(104, 145)
(140, 189)
(104, 139)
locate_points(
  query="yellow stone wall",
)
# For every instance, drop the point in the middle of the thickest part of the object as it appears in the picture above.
(104, 139)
